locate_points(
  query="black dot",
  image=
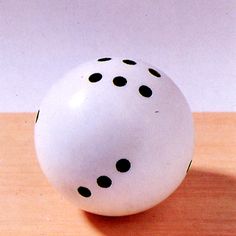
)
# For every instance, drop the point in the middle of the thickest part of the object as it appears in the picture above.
(145, 91)
(104, 181)
(189, 166)
(123, 165)
(119, 81)
(129, 62)
(154, 72)
(37, 116)
(85, 192)
(104, 59)
(95, 77)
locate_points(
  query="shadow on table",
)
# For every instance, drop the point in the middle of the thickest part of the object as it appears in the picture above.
(204, 204)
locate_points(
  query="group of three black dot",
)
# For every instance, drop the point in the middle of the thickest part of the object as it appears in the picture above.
(103, 181)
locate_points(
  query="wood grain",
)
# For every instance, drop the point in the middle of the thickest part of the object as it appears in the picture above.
(204, 204)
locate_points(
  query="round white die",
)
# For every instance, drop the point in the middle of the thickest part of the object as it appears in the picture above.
(115, 136)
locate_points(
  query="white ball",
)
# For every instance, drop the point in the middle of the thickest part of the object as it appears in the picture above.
(115, 136)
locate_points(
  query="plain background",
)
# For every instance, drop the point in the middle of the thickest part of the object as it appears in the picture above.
(192, 41)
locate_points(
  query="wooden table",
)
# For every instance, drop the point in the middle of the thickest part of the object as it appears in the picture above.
(204, 204)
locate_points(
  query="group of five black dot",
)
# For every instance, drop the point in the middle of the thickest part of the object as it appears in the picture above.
(122, 165)
(120, 81)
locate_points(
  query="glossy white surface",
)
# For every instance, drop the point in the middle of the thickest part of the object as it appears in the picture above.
(85, 127)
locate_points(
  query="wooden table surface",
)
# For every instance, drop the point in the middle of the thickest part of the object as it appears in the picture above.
(204, 204)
